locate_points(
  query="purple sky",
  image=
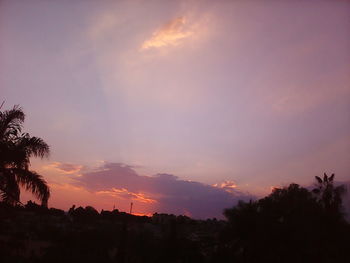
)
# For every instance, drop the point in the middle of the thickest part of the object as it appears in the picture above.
(232, 93)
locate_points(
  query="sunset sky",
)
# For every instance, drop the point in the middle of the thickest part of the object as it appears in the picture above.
(179, 106)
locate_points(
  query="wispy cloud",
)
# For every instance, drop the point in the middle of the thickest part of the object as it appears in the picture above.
(124, 194)
(63, 168)
(170, 34)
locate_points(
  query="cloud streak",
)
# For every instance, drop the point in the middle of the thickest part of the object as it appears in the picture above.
(64, 168)
(170, 34)
(127, 195)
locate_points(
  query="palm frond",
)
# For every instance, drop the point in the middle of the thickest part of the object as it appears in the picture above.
(325, 178)
(9, 188)
(34, 146)
(319, 180)
(16, 149)
(34, 183)
(11, 121)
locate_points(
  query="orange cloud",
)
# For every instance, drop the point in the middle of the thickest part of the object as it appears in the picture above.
(123, 193)
(171, 34)
(228, 186)
(64, 168)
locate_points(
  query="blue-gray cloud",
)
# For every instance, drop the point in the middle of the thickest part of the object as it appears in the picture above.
(172, 194)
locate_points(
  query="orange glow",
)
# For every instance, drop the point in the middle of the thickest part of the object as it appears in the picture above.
(226, 184)
(171, 34)
(143, 214)
(125, 194)
(273, 188)
(63, 196)
(63, 168)
(187, 213)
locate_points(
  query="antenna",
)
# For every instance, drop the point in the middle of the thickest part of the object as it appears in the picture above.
(131, 207)
(2, 104)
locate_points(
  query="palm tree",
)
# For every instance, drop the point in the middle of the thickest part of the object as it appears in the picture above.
(16, 149)
(328, 195)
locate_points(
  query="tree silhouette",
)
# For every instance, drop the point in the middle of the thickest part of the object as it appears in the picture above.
(328, 195)
(286, 221)
(16, 149)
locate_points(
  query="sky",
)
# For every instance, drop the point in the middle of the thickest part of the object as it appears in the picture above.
(180, 107)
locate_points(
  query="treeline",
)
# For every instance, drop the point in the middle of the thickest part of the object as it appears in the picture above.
(33, 233)
(292, 224)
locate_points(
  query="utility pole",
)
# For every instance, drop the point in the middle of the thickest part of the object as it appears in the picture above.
(131, 207)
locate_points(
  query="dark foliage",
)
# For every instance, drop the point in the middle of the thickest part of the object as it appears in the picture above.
(84, 235)
(292, 224)
(289, 225)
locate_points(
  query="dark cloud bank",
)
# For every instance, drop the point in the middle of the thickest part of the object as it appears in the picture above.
(172, 194)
